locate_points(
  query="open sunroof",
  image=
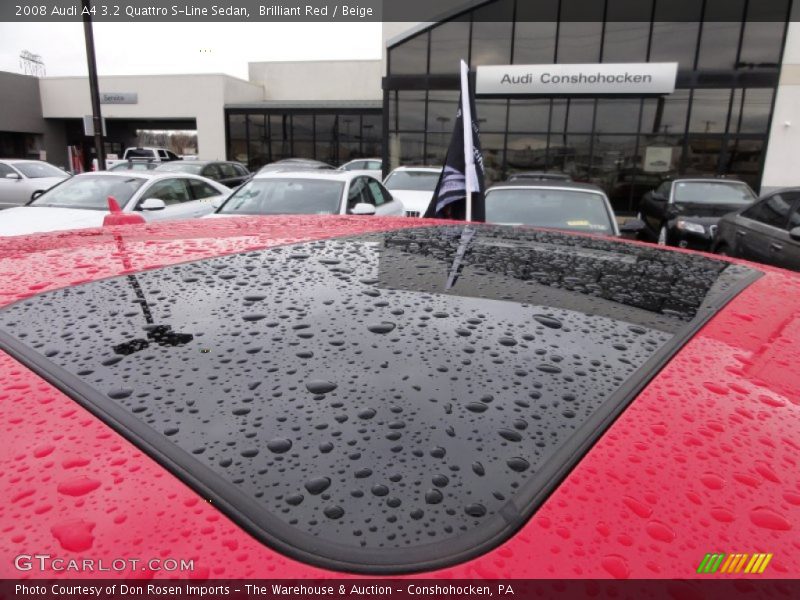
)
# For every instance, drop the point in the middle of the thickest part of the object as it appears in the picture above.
(382, 404)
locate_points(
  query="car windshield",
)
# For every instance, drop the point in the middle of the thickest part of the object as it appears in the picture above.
(286, 197)
(558, 209)
(712, 192)
(38, 170)
(181, 167)
(415, 181)
(90, 192)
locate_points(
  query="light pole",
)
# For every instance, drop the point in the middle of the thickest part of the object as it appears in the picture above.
(94, 90)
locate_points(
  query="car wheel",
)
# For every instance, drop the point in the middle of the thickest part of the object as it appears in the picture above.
(723, 250)
(662, 237)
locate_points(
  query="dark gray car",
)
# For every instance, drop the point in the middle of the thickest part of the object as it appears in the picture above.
(767, 232)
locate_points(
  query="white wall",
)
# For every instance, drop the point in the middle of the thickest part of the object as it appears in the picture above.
(322, 81)
(199, 97)
(782, 166)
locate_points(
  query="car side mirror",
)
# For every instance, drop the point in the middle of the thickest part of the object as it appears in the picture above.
(795, 234)
(153, 204)
(13, 176)
(631, 228)
(363, 208)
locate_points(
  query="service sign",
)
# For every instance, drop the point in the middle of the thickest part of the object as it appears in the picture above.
(119, 98)
(566, 79)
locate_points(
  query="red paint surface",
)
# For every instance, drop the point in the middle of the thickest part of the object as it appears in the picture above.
(706, 459)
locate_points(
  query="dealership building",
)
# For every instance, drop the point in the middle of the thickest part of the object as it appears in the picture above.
(619, 99)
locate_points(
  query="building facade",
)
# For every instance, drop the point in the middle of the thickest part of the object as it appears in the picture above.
(734, 109)
(717, 121)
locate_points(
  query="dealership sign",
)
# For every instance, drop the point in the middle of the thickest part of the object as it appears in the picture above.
(592, 79)
(119, 98)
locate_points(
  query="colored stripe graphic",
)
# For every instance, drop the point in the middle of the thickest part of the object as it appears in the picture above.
(765, 563)
(753, 564)
(728, 562)
(741, 562)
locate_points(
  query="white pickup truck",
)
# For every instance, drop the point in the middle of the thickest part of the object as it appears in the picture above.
(157, 155)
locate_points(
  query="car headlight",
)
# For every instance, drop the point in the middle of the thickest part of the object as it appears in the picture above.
(682, 225)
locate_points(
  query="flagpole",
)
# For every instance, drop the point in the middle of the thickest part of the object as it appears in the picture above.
(466, 119)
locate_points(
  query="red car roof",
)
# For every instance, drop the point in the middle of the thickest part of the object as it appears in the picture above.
(703, 461)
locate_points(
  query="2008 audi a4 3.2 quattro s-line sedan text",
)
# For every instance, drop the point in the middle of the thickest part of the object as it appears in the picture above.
(327, 396)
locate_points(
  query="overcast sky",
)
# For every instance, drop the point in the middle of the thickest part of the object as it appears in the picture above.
(154, 48)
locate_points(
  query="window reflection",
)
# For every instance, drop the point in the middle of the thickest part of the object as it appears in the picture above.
(709, 111)
(411, 57)
(529, 115)
(449, 45)
(491, 40)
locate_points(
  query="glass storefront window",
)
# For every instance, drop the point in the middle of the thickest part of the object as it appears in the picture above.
(372, 135)
(617, 115)
(491, 114)
(627, 30)
(491, 40)
(436, 147)
(616, 166)
(534, 43)
(702, 155)
(411, 57)
(527, 152)
(411, 110)
(675, 42)
(625, 41)
(449, 45)
(580, 117)
(761, 44)
(666, 115)
(237, 140)
(326, 138)
(258, 153)
(709, 111)
(718, 45)
(743, 159)
(528, 115)
(302, 127)
(493, 145)
(442, 107)
(751, 110)
(579, 42)
(407, 149)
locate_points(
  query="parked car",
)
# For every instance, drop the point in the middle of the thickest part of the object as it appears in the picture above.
(230, 174)
(365, 166)
(82, 201)
(158, 155)
(305, 397)
(685, 212)
(414, 187)
(145, 164)
(311, 192)
(767, 232)
(289, 164)
(561, 205)
(20, 178)
(540, 176)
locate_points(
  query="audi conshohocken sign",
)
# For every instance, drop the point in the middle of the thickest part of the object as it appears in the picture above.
(593, 79)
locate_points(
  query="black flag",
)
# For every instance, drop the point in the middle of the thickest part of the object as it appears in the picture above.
(459, 193)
